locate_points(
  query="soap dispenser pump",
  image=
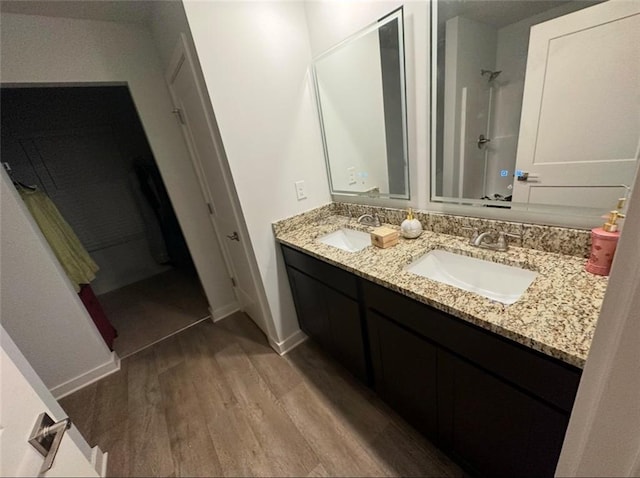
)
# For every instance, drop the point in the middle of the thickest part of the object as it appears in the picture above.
(604, 241)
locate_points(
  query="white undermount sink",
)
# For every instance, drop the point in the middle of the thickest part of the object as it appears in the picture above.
(347, 239)
(498, 282)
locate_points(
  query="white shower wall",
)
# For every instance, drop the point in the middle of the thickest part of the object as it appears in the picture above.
(470, 48)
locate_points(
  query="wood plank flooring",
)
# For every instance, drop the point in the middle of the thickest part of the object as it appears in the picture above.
(216, 400)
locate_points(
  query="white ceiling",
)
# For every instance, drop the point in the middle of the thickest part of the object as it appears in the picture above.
(498, 13)
(138, 11)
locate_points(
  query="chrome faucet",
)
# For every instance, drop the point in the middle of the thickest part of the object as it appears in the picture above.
(482, 239)
(369, 220)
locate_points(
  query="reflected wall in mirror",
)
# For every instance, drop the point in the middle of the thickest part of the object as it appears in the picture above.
(536, 102)
(360, 91)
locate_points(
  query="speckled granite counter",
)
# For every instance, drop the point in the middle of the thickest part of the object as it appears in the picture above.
(556, 315)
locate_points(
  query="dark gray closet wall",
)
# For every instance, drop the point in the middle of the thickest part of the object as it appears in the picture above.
(78, 145)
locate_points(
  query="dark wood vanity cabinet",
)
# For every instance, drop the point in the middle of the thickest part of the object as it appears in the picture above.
(500, 409)
(328, 308)
(497, 407)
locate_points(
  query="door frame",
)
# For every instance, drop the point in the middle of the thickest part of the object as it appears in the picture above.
(182, 55)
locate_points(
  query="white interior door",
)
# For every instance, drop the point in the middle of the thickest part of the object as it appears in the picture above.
(580, 124)
(217, 187)
(23, 399)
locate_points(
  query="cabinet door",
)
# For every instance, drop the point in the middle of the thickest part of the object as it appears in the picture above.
(492, 426)
(332, 320)
(404, 370)
(346, 332)
(311, 307)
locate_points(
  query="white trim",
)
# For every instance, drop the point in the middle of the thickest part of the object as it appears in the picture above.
(225, 311)
(99, 460)
(82, 380)
(289, 343)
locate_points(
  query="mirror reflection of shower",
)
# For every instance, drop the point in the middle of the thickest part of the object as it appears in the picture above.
(484, 145)
(489, 149)
(479, 76)
(478, 151)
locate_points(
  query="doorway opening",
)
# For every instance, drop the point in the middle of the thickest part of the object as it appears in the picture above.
(85, 148)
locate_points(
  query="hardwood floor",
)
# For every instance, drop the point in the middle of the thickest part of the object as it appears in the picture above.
(154, 308)
(216, 400)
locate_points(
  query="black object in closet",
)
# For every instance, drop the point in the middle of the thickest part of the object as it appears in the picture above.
(154, 191)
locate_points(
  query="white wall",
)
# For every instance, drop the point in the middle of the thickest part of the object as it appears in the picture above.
(168, 21)
(39, 307)
(57, 50)
(350, 84)
(255, 59)
(330, 22)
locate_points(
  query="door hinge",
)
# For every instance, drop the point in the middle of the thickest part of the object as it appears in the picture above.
(233, 282)
(210, 208)
(178, 113)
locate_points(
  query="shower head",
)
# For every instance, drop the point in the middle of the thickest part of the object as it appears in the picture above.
(491, 74)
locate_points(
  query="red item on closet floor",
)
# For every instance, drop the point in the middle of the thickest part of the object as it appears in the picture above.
(96, 312)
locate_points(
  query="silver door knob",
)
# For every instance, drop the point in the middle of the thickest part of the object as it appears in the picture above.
(46, 437)
(234, 237)
(526, 176)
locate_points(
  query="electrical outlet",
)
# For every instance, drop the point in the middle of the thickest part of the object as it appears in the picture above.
(351, 175)
(301, 190)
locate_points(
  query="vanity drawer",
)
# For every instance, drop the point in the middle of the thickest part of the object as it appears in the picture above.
(332, 276)
(549, 379)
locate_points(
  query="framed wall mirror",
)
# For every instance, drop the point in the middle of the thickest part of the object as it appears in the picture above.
(360, 92)
(535, 104)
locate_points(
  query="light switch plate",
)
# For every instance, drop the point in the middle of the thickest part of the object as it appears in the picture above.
(351, 174)
(301, 191)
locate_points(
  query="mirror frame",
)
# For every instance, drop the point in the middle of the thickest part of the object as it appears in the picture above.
(398, 15)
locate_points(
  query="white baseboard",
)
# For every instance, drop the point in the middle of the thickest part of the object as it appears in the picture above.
(224, 311)
(87, 378)
(99, 460)
(289, 343)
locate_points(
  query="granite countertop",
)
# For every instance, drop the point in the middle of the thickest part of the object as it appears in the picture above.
(556, 315)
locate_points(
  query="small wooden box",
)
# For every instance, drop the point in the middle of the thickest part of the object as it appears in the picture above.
(384, 237)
